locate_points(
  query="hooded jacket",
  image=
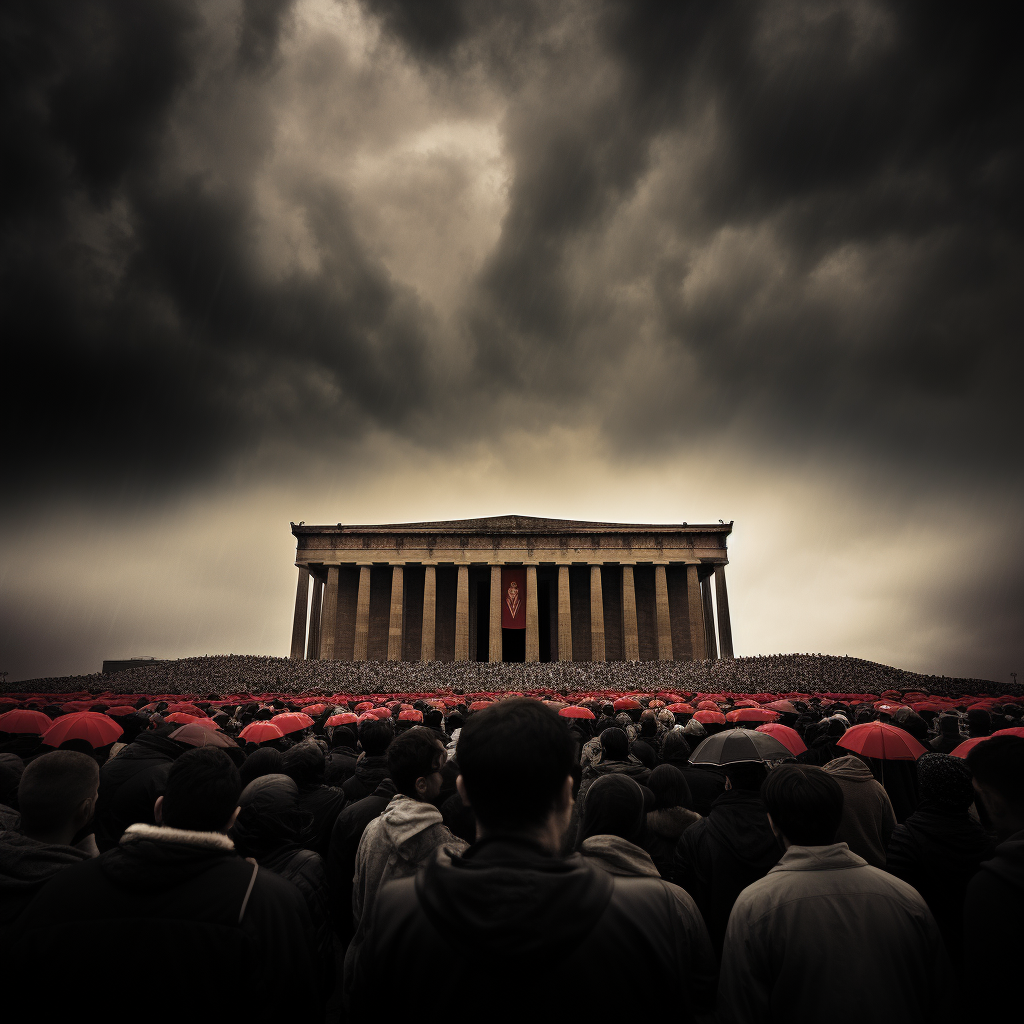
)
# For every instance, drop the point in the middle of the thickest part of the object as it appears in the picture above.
(719, 856)
(395, 845)
(868, 818)
(632, 768)
(618, 857)
(705, 786)
(994, 908)
(524, 926)
(170, 899)
(26, 865)
(368, 775)
(341, 765)
(938, 853)
(664, 828)
(823, 909)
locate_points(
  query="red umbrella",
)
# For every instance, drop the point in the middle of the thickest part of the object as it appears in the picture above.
(788, 737)
(744, 702)
(25, 721)
(626, 704)
(877, 739)
(412, 715)
(656, 704)
(710, 717)
(364, 705)
(260, 732)
(315, 709)
(183, 707)
(91, 726)
(929, 705)
(576, 712)
(707, 705)
(345, 718)
(968, 745)
(751, 715)
(785, 707)
(181, 718)
(479, 705)
(120, 711)
(292, 721)
(680, 708)
(196, 735)
(380, 712)
(368, 716)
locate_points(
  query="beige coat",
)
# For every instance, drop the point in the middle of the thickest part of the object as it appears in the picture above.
(868, 818)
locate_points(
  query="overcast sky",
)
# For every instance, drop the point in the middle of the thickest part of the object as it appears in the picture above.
(378, 261)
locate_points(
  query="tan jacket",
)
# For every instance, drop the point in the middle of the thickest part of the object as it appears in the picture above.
(868, 818)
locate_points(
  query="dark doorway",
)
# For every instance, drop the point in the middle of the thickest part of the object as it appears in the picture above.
(483, 621)
(513, 645)
(544, 614)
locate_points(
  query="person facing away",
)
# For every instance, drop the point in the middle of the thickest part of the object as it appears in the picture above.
(948, 738)
(613, 826)
(523, 923)
(408, 832)
(717, 857)
(174, 897)
(671, 816)
(994, 906)
(705, 786)
(822, 911)
(868, 818)
(57, 795)
(372, 767)
(341, 760)
(305, 764)
(939, 847)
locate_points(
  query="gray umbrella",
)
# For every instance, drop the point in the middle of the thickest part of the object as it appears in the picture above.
(736, 745)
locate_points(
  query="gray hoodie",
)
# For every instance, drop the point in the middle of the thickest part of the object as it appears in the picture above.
(868, 819)
(25, 866)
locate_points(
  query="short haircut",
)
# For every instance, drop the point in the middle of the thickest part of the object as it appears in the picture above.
(514, 757)
(748, 775)
(615, 744)
(674, 745)
(806, 804)
(343, 736)
(52, 788)
(998, 764)
(376, 736)
(669, 786)
(202, 792)
(413, 755)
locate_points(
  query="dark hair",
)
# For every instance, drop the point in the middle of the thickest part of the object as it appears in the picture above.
(305, 763)
(433, 718)
(53, 786)
(514, 757)
(997, 763)
(413, 755)
(202, 792)
(675, 745)
(343, 736)
(262, 761)
(648, 724)
(615, 744)
(376, 736)
(614, 806)
(669, 786)
(644, 753)
(748, 775)
(806, 804)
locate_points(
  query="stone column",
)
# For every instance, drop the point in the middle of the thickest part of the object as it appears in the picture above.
(596, 615)
(664, 619)
(462, 615)
(724, 623)
(329, 616)
(313, 644)
(362, 614)
(494, 615)
(630, 633)
(696, 610)
(395, 622)
(709, 619)
(429, 612)
(564, 615)
(299, 619)
(532, 615)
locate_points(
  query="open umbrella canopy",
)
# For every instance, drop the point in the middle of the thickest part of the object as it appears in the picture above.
(878, 739)
(182, 718)
(25, 721)
(315, 709)
(185, 708)
(751, 715)
(576, 712)
(380, 712)
(120, 711)
(91, 726)
(968, 745)
(707, 705)
(196, 735)
(788, 737)
(736, 745)
(784, 707)
(410, 715)
(292, 721)
(260, 732)
(626, 704)
(680, 708)
(345, 718)
(479, 705)
(929, 705)
(709, 717)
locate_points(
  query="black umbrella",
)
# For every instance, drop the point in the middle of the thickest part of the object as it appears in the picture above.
(735, 745)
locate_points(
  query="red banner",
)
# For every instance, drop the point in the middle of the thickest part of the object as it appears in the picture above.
(513, 598)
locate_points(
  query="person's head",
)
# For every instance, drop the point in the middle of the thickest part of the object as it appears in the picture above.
(648, 724)
(202, 792)
(614, 806)
(415, 760)
(305, 763)
(675, 747)
(262, 761)
(57, 795)
(269, 816)
(644, 753)
(949, 725)
(433, 718)
(375, 736)
(945, 783)
(745, 775)
(979, 722)
(614, 745)
(516, 761)
(998, 768)
(669, 786)
(805, 804)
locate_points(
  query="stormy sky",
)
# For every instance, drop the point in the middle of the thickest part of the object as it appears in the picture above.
(381, 261)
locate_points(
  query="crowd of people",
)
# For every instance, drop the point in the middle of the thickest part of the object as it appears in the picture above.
(225, 674)
(438, 857)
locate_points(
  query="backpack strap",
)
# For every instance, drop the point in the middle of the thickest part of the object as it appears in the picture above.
(248, 892)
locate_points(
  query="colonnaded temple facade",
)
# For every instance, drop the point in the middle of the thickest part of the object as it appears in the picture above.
(511, 588)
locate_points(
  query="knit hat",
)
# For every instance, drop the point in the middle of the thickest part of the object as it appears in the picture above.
(614, 806)
(945, 782)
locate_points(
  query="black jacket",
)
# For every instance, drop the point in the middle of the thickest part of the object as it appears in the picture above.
(524, 928)
(938, 854)
(705, 786)
(130, 784)
(368, 775)
(306, 871)
(237, 936)
(341, 857)
(719, 856)
(341, 765)
(324, 803)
